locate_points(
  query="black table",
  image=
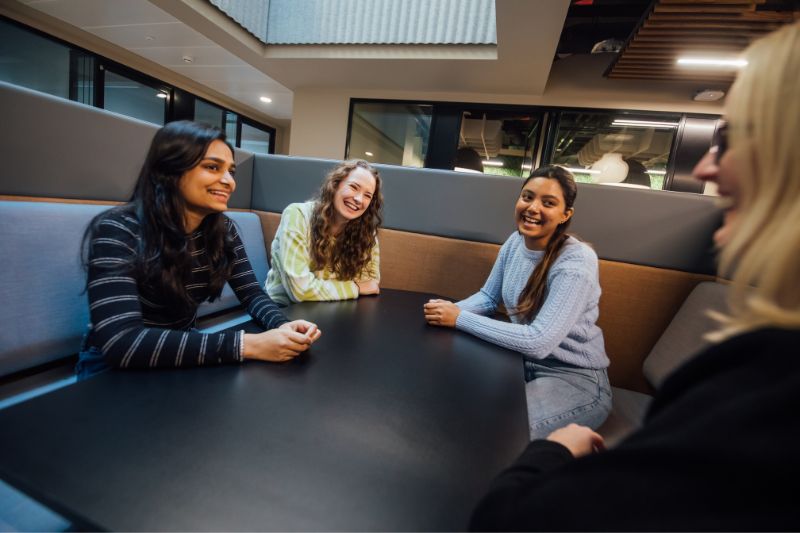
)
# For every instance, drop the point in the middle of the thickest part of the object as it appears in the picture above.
(385, 424)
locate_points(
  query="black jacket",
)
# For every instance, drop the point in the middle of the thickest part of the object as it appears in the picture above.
(719, 450)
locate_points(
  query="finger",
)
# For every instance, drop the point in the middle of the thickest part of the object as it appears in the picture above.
(310, 331)
(598, 443)
(300, 339)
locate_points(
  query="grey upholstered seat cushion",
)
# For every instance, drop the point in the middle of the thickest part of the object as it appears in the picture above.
(683, 338)
(627, 412)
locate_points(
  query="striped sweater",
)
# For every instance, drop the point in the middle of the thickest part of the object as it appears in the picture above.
(133, 326)
(291, 278)
(565, 328)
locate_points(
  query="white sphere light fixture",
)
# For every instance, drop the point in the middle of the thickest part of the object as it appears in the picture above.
(610, 168)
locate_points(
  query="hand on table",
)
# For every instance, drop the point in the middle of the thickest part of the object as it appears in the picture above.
(579, 440)
(282, 343)
(441, 313)
(309, 329)
(367, 287)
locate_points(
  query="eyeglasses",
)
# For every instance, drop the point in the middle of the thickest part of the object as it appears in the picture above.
(719, 142)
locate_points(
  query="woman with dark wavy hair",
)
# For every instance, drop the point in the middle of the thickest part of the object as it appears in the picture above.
(548, 281)
(153, 260)
(327, 248)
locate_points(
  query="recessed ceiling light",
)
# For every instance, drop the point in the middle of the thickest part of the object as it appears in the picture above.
(369, 154)
(266, 99)
(711, 62)
(161, 95)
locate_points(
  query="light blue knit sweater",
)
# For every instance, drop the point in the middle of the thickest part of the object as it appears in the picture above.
(565, 327)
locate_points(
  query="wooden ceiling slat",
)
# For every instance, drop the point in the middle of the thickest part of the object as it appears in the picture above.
(714, 26)
(680, 27)
(712, 3)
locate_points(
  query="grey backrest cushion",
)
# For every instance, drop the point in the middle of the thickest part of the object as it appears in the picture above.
(655, 228)
(683, 338)
(44, 311)
(51, 160)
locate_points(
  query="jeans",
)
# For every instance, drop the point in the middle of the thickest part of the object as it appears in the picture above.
(559, 393)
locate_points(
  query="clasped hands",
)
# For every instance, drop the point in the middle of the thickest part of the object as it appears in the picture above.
(282, 343)
(441, 313)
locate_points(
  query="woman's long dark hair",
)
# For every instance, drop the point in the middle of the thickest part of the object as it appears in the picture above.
(163, 258)
(352, 250)
(532, 296)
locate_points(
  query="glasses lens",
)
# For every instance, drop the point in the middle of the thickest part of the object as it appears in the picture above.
(720, 140)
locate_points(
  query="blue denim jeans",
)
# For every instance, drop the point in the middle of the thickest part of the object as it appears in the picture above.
(559, 393)
(90, 361)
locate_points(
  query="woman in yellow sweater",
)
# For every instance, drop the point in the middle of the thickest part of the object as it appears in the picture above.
(327, 248)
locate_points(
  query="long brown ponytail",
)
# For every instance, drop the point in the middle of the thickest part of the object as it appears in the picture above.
(532, 296)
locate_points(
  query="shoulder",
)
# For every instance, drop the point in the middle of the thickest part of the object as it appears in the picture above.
(513, 242)
(299, 212)
(577, 254)
(120, 221)
(230, 224)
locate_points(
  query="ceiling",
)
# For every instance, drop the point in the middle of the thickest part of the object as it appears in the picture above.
(675, 28)
(144, 29)
(530, 35)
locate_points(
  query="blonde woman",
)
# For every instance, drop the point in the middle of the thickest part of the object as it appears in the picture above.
(327, 248)
(719, 445)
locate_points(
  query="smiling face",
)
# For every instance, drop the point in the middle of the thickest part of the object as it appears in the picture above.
(207, 187)
(539, 211)
(353, 195)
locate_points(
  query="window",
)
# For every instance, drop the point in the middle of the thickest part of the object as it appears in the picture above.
(615, 148)
(391, 133)
(136, 99)
(255, 139)
(231, 121)
(32, 61)
(497, 142)
(209, 114)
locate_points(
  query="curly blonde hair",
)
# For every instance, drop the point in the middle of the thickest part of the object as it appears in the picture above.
(348, 254)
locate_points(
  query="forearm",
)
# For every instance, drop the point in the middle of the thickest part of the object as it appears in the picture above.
(143, 347)
(504, 507)
(309, 288)
(523, 338)
(480, 303)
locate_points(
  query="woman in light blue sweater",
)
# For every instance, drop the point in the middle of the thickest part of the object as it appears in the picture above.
(548, 282)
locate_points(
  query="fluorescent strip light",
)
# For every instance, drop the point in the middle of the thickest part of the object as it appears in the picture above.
(462, 169)
(658, 172)
(621, 122)
(161, 95)
(711, 62)
(581, 170)
(491, 163)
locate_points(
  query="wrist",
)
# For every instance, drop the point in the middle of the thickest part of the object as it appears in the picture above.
(245, 349)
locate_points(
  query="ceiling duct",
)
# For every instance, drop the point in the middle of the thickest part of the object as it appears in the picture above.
(485, 136)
